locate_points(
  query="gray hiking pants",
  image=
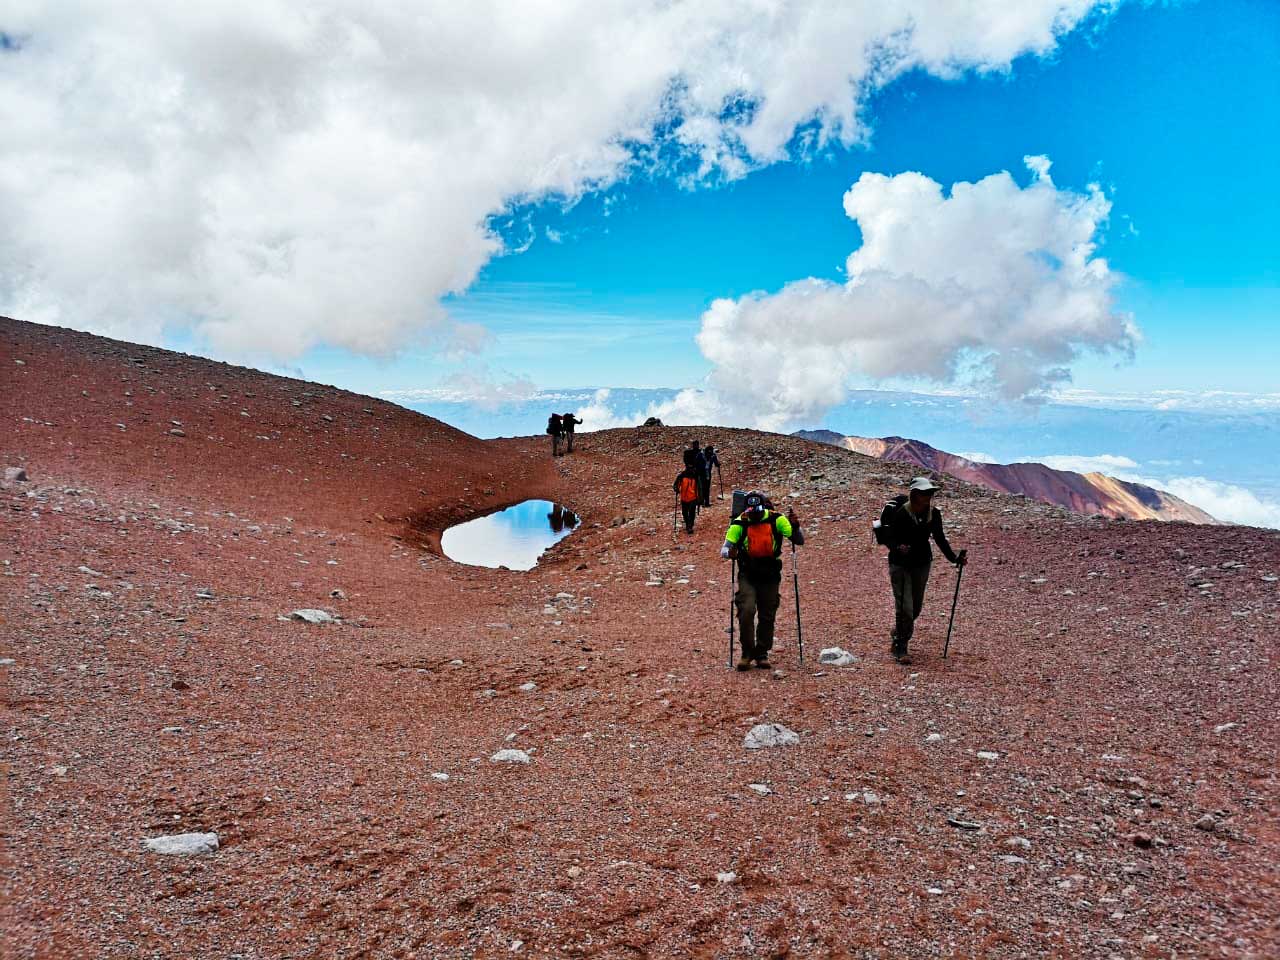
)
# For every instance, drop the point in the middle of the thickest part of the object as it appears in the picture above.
(755, 598)
(909, 584)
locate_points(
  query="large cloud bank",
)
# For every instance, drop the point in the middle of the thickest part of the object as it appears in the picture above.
(991, 282)
(274, 175)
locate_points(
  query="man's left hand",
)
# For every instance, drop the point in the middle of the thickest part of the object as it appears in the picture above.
(792, 518)
(962, 558)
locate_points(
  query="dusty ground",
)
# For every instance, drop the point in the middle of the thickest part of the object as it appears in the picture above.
(1101, 662)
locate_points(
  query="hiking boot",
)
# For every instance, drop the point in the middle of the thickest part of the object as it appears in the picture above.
(903, 658)
(744, 663)
(763, 663)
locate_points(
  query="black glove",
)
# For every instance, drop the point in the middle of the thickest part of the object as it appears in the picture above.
(962, 558)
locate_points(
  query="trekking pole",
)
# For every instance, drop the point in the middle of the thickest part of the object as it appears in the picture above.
(795, 581)
(675, 518)
(720, 474)
(954, 601)
(733, 599)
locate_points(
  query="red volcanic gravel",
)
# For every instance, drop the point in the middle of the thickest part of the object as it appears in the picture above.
(1091, 773)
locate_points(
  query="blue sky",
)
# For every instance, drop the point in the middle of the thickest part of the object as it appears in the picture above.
(1173, 108)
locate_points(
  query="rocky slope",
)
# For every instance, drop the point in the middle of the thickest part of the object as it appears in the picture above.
(1087, 493)
(1091, 773)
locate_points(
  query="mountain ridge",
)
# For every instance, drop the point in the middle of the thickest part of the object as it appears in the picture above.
(1085, 493)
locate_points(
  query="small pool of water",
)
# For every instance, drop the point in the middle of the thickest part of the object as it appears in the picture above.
(513, 538)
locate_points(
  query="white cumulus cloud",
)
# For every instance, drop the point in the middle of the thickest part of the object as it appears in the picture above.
(1108, 463)
(272, 175)
(990, 279)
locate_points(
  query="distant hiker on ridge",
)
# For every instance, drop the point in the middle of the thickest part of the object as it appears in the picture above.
(907, 523)
(569, 421)
(712, 461)
(754, 541)
(687, 490)
(555, 429)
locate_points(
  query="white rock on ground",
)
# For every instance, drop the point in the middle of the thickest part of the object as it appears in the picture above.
(836, 657)
(770, 735)
(510, 756)
(312, 616)
(727, 876)
(15, 475)
(528, 687)
(181, 844)
(761, 788)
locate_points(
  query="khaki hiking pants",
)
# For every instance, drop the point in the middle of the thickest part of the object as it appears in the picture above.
(756, 598)
(909, 584)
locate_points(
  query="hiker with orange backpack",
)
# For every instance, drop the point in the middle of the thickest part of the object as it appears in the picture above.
(754, 542)
(688, 492)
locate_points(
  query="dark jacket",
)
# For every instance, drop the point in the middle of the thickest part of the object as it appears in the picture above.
(904, 528)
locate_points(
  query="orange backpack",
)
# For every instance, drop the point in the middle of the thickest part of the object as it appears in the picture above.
(760, 539)
(688, 489)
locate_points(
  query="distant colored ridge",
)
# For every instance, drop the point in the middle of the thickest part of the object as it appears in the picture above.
(1086, 493)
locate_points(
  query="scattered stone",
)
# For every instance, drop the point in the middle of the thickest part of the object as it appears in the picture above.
(205, 593)
(574, 873)
(180, 685)
(1011, 859)
(1143, 841)
(933, 738)
(440, 777)
(836, 657)
(181, 844)
(308, 615)
(655, 582)
(770, 735)
(88, 571)
(988, 755)
(727, 876)
(7, 661)
(963, 824)
(337, 595)
(1021, 842)
(1224, 727)
(177, 432)
(15, 475)
(761, 788)
(1207, 823)
(170, 729)
(528, 687)
(510, 756)
(934, 891)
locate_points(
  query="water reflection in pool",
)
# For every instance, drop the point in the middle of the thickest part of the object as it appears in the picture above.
(514, 538)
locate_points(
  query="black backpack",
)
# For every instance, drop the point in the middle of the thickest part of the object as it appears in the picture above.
(880, 528)
(554, 425)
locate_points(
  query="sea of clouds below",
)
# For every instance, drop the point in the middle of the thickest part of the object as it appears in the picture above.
(1216, 451)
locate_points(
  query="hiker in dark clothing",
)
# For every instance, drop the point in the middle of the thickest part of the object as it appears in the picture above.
(908, 528)
(568, 421)
(555, 429)
(754, 540)
(712, 461)
(686, 488)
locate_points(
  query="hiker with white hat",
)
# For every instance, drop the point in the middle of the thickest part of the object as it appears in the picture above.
(906, 526)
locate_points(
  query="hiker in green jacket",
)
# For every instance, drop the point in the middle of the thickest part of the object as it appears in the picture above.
(908, 528)
(754, 539)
